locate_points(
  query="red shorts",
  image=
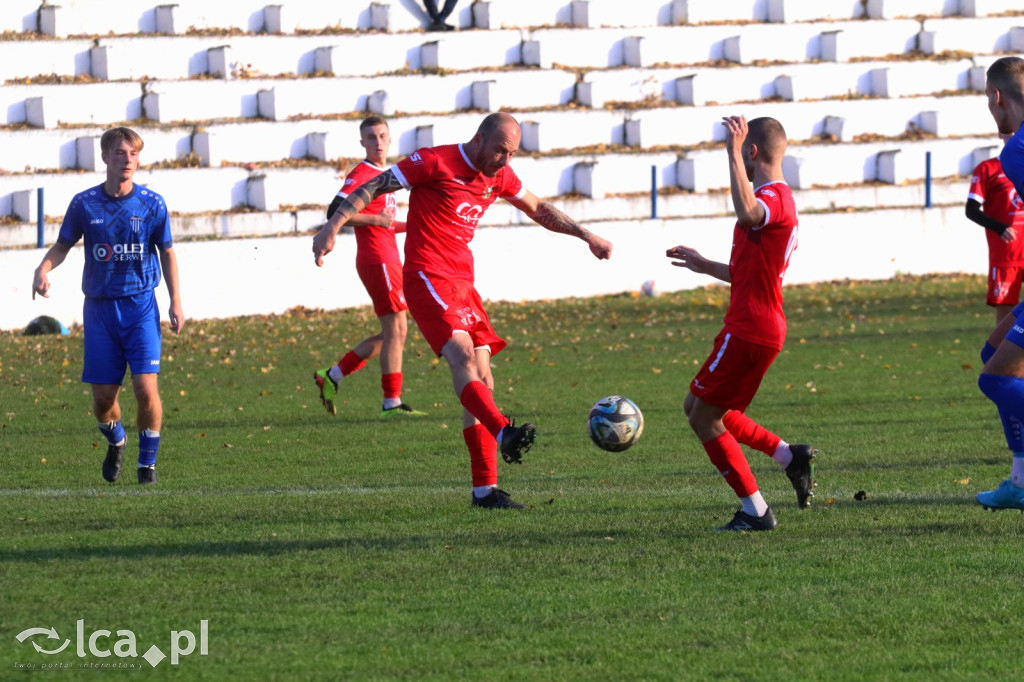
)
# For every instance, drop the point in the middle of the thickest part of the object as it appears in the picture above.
(443, 307)
(733, 372)
(1004, 285)
(384, 284)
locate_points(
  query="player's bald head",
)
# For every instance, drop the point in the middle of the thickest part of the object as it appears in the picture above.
(498, 123)
(769, 136)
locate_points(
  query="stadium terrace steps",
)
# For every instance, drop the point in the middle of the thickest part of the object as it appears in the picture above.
(369, 54)
(704, 85)
(165, 101)
(197, 190)
(216, 135)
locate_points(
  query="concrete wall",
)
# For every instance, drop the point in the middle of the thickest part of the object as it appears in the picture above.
(253, 276)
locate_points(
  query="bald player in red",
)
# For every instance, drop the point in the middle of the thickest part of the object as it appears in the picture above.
(754, 329)
(451, 187)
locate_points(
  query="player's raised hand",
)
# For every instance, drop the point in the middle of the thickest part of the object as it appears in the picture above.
(686, 257)
(323, 244)
(735, 131)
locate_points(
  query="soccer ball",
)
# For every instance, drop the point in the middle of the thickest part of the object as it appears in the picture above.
(615, 423)
(648, 288)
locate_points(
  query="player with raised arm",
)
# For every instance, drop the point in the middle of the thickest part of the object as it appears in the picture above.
(993, 203)
(754, 328)
(125, 228)
(1002, 378)
(380, 268)
(451, 187)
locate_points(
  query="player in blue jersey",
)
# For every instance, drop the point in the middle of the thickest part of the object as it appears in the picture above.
(127, 236)
(1002, 378)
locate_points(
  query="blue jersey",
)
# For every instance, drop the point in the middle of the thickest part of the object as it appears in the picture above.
(121, 236)
(1012, 158)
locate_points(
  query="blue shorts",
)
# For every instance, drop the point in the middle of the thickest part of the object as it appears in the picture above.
(120, 333)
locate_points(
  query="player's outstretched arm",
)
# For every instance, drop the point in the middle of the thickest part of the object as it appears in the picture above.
(54, 257)
(550, 218)
(690, 258)
(356, 201)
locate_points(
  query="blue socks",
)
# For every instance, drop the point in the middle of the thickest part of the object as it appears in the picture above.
(1008, 395)
(113, 431)
(149, 443)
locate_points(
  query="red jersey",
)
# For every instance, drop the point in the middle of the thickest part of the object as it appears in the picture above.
(999, 200)
(759, 258)
(374, 245)
(447, 198)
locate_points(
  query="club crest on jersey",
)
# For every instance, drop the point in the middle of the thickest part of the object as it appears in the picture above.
(487, 193)
(136, 223)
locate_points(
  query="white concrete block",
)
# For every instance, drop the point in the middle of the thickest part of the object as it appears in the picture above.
(52, 22)
(25, 205)
(892, 167)
(380, 16)
(38, 114)
(219, 60)
(530, 140)
(379, 102)
(832, 128)
(584, 180)
(632, 51)
(88, 153)
(277, 19)
(1016, 38)
(167, 21)
(430, 54)
(532, 54)
(266, 103)
(484, 95)
(424, 136)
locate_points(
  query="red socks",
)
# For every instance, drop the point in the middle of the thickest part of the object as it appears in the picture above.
(351, 363)
(479, 402)
(483, 455)
(727, 456)
(392, 385)
(747, 431)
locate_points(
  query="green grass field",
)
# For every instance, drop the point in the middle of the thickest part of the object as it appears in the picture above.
(346, 548)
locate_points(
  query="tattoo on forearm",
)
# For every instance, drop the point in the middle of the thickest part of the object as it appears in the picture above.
(361, 197)
(551, 218)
